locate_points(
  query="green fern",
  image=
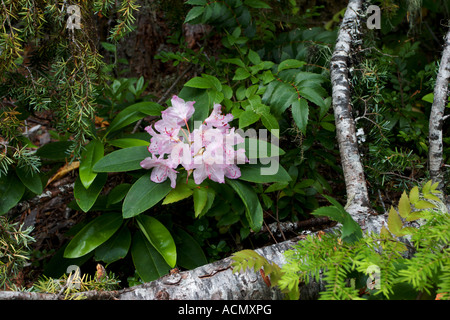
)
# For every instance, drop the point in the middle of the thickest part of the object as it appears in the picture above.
(346, 267)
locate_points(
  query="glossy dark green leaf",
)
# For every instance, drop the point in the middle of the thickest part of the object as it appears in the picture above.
(159, 237)
(202, 103)
(180, 192)
(11, 191)
(262, 173)
(143, 195)
(200, 199)
(190, 253)
(93, 235)
(58, 265)
(134, 113)
(116, 247)
(89, 157)
(253, 209)
(31, 180)
(118, 193)
(149, 264)
(122, 160)
(55, 150)
(86, 198)
(129, 142)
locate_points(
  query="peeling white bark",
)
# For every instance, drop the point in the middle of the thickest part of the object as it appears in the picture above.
(435, 157)
(345, 124)
(214, 281)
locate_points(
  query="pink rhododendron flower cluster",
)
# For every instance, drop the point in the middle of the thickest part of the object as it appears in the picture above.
(206, 152)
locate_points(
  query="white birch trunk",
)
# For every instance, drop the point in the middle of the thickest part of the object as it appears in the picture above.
(358, 204)
(435, 157)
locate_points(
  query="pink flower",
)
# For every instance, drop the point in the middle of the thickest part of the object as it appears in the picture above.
(207, 152)
(216, 119)
(180, 111)
(162, 168)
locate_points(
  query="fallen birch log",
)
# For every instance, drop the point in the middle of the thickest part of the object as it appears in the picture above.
(214, 281)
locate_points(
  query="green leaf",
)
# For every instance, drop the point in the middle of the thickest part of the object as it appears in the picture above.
(128, 143)
(312, 95)
(330, 211)
(253, 57)
(259, 149)
(55, 150)
(214, 81)
(31, 180)
(262, 173)
(270, 122)
(253, 209)
(200, 199)
(300, 112)
(134, 113)
(200, 83)
(290, 64)
(428, 97)
(351, 231)
(247, 118)
(427, 187)
(11, 191)
(86, 198)
(276, 187)
(423, 204)
(89, 157)
(235, 61)
(180, 192)
(241, 74)
(109, 46)
(116, 247)
(196, 2)
(414, 195)
(431, 196)
(202, 103)
(328, 126)
(404, 206)
(122, 160)
(209, 203)
(190, 253)
(194, 13)
(257, 4)
(93, 235)
(395, 224)
(143, 195)
(159, 237)
(117, 194)
(149, 264)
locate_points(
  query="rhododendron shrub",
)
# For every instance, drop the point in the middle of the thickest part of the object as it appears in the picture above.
(208, 151)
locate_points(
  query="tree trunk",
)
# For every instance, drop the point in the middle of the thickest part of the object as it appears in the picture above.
(435, 156)
(214, 281)
(358, 203)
